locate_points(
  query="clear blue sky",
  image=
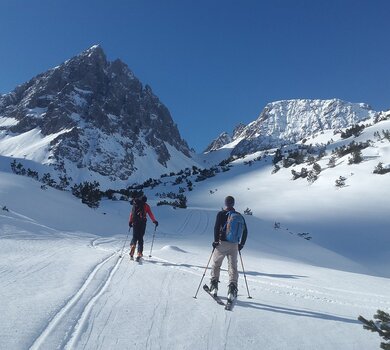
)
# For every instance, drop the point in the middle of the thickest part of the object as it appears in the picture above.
(214, 63)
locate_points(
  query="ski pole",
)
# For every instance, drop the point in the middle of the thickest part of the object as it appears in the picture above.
(243, 270)
(204, 273)
(151, 248)
(124, 244)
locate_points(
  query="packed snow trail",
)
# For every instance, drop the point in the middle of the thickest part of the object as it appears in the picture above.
(66, 288)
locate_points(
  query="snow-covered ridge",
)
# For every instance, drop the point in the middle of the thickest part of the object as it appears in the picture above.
(289, 121)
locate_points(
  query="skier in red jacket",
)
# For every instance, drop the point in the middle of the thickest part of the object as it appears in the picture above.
(138, 222)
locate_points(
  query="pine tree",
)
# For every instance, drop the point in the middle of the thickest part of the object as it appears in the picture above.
(295, 174)
(47, 180)
(275, 169)
(317, 168)
(277, 157)
(380, 325)
(379, 169)
(332, 162)
(89, 193)
(312, 176)
(340, 182)
(356, 157)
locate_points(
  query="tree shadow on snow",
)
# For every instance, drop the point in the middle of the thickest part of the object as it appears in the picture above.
(295, 312)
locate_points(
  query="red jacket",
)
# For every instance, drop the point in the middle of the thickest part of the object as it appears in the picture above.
(147, 211)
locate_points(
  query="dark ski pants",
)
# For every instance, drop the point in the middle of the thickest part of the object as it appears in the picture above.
(138, 236)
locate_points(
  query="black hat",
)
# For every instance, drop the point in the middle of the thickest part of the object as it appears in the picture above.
(145, 199)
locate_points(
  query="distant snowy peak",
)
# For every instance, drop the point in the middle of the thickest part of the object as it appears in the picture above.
(219, 142)
(105, 120)
(289, 121)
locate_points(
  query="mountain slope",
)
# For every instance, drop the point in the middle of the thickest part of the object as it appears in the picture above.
(88, 118)
(289, 121)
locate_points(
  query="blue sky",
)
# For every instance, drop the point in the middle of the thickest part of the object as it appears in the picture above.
(213, 63)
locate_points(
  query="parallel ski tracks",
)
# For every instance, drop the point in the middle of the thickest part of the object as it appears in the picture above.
(67, 325)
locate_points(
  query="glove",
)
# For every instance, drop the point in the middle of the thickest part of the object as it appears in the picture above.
(215, 244)
(130, 224)
(156, 223)
(240, 246)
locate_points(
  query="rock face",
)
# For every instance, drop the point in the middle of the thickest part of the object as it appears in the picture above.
(100, 116)
(289, 121)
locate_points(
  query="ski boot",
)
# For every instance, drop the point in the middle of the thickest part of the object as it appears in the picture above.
(232, 291)
(139, 257)
(132, 250)
(214, 287)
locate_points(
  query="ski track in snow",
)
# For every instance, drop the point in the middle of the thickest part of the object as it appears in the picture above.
(83, 319)
(57, 331)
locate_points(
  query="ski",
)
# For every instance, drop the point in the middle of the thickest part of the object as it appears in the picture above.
(216, 298)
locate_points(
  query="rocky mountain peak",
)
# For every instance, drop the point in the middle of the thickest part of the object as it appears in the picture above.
(101, 117)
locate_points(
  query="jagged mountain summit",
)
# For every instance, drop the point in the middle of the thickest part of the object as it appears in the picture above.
(90, 117)
(289, 121)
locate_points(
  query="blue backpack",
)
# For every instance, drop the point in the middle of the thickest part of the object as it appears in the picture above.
(234, 226)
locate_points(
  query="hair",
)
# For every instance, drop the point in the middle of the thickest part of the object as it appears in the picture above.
(229, 201)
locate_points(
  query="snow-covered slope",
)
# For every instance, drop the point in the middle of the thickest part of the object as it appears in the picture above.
(92, 118)
(351, 220)
(289, 121)
(65, 285)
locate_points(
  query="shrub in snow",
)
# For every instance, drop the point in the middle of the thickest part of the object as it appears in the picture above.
(32, 174)
(356, 157)
(317, 168)
(189, 185)
(305, 235)
(310, 160)
(277, 157)
(180, 202)
(47, 180)
(354, 130)
(247, 211)
(379, 169)
(340, 182)
(380, 325)
(275, 169)
(386, 134)
(88, 192)
(312, 176)
(352, 147)
(332, 162)
(64, 182)
(17, 168)
(304, 173)
(295, 174)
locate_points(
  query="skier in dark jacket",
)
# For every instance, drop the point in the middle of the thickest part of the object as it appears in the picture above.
(138, 220)
(224, 247)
